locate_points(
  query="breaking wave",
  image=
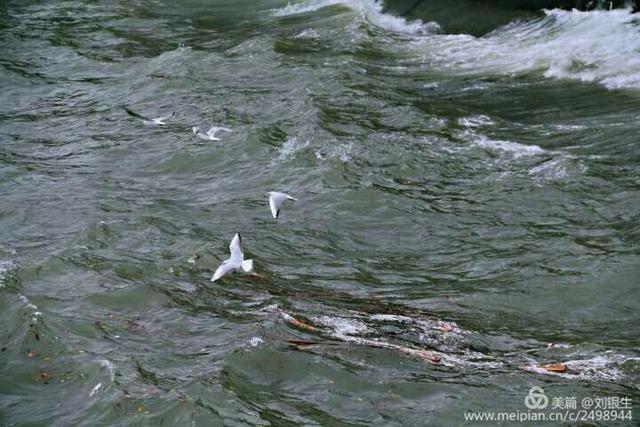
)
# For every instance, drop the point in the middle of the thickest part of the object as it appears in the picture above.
(369, 10)
(596, 46)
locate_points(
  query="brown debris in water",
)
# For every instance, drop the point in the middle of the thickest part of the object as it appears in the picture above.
(301, 343)
(425, 355)
(555, 367)
(446, 327)
(428, 356)
(300, 324)
(43, 377)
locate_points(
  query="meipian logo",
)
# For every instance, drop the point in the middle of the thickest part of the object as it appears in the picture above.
(536, 399)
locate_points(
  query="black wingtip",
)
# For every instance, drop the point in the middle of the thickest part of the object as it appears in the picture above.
(133, 113)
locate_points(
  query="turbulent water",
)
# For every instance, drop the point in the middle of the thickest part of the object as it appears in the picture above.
(472, 201)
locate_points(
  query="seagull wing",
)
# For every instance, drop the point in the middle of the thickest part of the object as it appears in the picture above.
(163, 118)
(134, 114)
(225, 268)
(274, 204)
(236, 251)
(276, 199)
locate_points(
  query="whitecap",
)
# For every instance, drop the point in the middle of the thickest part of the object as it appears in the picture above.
(475, 121)
(369, 10)
(308, 33)
(391, 318)
(595, 46)
(255, 341)
(558, 168)
(515, 149)
(340, 152)
(343, 326)
(5, 268)
(95, 389)
(291, 147)
(35, 313)
(110, 367)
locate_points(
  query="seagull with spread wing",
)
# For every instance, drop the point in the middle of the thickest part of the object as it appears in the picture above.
(276, 199)
(235, 262)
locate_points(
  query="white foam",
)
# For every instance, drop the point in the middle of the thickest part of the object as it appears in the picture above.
(553, 169)
(595, 46)
(391, 318)
(111, 368)
(309, 34)
(558, 168)
(427, 326)
(515, 149)
(475, 121)
(95, 389)
(343, 326)
(470, 359)
(475, 86)
(255, 341)
(369, 10)
(271, 308)
(290, 147)
(536, 369)
(35, 314)
(569, 128)
(5, 268)
(341, 152)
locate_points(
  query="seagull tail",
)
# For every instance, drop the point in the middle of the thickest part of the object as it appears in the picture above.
(247, 265)
(292, 198)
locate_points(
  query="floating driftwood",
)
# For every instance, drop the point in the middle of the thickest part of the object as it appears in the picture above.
(425, 355)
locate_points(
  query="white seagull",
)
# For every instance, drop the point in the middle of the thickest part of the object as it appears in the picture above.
(211, 133)
(276, 199)
(162, 121)
(235, 262)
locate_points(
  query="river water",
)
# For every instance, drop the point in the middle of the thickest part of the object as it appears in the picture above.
(474, 195)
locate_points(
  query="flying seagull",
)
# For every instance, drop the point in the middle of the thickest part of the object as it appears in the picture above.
(235, 262)
(276, 199)
(151, 121)
(211, 133)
